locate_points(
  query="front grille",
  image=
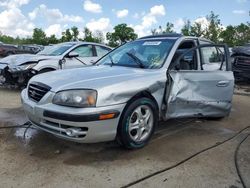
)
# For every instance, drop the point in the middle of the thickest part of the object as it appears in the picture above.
(242, 63)
(36, 91)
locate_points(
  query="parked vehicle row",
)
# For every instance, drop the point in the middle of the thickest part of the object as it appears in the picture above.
(7, 49)
(10, 49)
(18, 69)
(127, 91)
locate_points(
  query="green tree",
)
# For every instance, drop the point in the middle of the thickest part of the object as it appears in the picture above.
(214, 28)
(122, 34)
(186, 29)
(197, 30)
(39, 37)
(67, 36)
(88, 36)
(75, 32)
(169, 28)
(242, 34)
(52, 39)
(228, 36)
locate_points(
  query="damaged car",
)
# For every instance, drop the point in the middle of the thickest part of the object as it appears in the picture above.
(241, 62)
(131, 88)
(18, 69)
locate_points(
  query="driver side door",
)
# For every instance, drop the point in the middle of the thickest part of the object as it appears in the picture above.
(204, 92)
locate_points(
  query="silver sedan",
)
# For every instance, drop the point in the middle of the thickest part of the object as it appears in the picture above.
(125, 94)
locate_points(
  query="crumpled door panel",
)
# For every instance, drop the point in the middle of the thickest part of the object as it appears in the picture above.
(200, 93)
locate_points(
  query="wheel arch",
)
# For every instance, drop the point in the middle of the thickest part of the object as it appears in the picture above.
(138, 95)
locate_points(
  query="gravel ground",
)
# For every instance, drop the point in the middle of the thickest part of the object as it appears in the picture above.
(41, 160)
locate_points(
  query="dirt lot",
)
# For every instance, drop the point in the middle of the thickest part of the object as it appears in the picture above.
(41, 160)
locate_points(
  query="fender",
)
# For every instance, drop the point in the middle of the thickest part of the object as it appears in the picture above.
(51, 64)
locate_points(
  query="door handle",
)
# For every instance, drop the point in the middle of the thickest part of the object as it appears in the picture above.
(92, 61)
(222, 84)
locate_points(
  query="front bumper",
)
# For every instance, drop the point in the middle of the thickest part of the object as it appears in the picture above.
(57, 120)
(19, 77)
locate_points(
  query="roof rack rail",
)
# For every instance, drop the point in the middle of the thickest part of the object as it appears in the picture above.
(162, 35)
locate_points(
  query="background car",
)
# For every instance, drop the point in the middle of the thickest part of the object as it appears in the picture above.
(7, 49)
(241, 62)
(18, 69)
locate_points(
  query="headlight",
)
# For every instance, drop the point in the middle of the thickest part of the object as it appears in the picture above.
(26, 66)
(76, 98)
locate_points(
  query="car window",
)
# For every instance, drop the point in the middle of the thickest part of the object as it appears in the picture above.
(84, 51)
(149, 54)
(212, 58)
(56, 50)
(101, 51)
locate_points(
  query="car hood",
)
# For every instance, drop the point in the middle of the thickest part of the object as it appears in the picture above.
(242, 50)
(15, 60)
(90, 77)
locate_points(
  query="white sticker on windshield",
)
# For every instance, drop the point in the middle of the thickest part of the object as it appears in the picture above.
(152, 43)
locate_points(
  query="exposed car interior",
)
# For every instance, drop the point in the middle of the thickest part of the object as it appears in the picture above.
(189, 61)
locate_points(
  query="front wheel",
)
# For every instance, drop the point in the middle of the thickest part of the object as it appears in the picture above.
(137, 123)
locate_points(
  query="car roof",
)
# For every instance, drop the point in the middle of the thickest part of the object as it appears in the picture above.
(172, 35)
(82, 42)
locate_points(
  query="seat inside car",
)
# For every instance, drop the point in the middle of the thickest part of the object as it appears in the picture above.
(188, 62)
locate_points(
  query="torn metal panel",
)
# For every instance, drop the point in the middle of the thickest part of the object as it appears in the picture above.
(201, 94)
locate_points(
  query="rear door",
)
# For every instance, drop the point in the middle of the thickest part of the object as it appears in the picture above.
(205, 91)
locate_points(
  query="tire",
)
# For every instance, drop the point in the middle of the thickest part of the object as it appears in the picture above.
(45, 70)
(137, 123)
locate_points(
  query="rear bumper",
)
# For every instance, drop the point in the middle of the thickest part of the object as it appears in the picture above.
(57, 120)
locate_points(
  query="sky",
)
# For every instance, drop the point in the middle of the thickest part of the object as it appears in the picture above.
(20, 17)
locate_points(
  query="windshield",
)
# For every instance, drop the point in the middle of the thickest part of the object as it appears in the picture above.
(55, 50)
(149, 54)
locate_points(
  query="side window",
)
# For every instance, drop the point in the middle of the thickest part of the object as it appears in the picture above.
(212, 58)
(101, 51)
(84, 51)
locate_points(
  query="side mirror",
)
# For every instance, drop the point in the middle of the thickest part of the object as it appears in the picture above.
(73, 54)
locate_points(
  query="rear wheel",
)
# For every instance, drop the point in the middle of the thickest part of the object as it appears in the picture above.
(137, 123)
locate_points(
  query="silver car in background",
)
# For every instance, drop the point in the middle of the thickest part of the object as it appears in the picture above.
(131, 88)
(18, 69)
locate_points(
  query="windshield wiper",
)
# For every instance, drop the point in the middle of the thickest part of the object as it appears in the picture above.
(111, 59)
(136, 59)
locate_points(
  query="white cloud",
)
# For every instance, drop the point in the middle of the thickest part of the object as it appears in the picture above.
(239, 12)
(14, 23)
(122, 13)
(136, 16)
(53, 15)
(55, 29)
(13, 3)
(149, 19)
(203, 21)
(103, 24)
(89, 6)
(178, 24)
(158, 10)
